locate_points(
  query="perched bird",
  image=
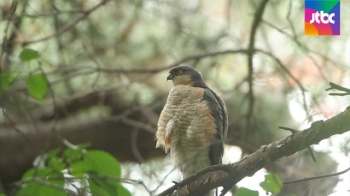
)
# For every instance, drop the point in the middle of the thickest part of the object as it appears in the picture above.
(193, 123)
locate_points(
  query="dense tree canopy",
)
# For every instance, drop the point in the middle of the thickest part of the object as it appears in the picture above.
(77, 72)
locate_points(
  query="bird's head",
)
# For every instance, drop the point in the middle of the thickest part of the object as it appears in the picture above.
(185, 75)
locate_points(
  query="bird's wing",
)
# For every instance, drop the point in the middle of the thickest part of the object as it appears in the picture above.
(218, 111)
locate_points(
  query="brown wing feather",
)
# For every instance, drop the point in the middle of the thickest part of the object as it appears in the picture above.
(218, 111)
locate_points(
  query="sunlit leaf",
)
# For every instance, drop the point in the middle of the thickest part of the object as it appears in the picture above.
(96, 189)
(28, 54)
(42, 172)
(56, 163)
(101, 185)
(6, 81)
(37, 86)
(272, 183)
(34, 188)
(73, 155)
(78, 169)
(100, 163)
(47, 175)
(246, 192)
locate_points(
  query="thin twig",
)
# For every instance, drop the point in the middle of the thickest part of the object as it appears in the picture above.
(288, 129)
(41, 181)
(5, 40)
(67, 27)
(47, 14)
(318, 177)
(340, 88)
(159, 69)
(134, 146)
(138, 124)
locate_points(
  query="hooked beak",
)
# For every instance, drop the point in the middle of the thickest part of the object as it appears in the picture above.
(170, 77)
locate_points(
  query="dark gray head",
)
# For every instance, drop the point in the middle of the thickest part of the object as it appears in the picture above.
(185, 75)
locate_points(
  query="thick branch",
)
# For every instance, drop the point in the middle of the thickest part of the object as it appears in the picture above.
(109, 134)
(229, 175)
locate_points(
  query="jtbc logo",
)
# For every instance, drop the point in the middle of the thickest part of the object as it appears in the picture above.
(324, 17)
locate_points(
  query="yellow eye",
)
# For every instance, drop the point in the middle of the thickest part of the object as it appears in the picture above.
(178, 72)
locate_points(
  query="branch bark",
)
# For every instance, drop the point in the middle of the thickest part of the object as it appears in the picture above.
(228, 175)
(108, 133)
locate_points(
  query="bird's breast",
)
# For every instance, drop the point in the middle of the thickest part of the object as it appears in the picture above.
(191, 127)
(191, 116)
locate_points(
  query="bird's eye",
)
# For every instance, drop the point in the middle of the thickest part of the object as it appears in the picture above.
(178, 72)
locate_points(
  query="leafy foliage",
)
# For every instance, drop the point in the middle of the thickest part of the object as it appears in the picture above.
(88, 47)
(272, 183)
(6, 81)
(75, 163)
(37, 86)
(246, 192)
(28, 54)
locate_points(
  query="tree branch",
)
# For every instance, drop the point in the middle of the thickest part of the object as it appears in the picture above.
(340, 88)
(69, 26)
(229, 175)
(257, 19)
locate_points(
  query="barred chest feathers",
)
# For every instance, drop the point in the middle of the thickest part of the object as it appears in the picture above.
(190, 128)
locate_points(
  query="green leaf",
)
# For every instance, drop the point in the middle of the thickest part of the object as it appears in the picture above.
(246, 192)
(34, 188)
(39, 189)
(101, 186)
(56, 164)
(6, 81)
(54, 161)
(28, 54)
(73, 154)
(84, 145)
(42, 172)
(53, 153)
(78, 169)
(37, 86)
(100, 163)
(272, 183)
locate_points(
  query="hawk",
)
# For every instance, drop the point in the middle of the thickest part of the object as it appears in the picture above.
(193, 123)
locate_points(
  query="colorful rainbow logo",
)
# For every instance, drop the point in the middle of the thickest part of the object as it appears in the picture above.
(322, 17)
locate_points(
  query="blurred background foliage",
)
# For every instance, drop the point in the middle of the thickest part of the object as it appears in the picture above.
(105, 63)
